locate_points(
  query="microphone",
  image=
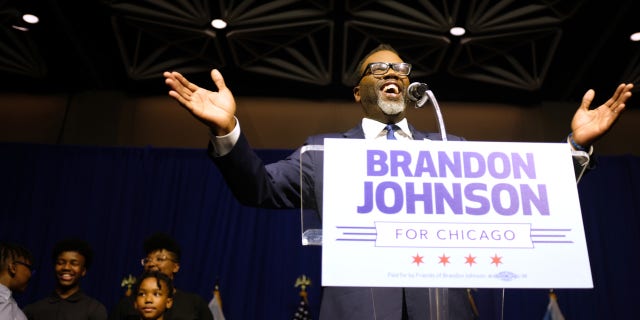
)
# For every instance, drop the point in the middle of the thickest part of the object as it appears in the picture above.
(417, 90)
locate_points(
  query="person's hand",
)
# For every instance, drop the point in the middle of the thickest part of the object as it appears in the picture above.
(214, 109)
(588, 125)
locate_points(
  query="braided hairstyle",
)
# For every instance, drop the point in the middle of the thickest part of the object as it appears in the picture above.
(10, 252)
(160, 278)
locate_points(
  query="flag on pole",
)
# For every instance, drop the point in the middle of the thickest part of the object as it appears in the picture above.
(215, 305)
(553, 309)
(302, 312)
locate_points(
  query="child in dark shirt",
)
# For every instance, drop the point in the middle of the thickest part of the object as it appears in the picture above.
(154, 295)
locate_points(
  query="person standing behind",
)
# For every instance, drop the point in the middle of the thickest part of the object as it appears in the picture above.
(154, 295)
(15, 272)
(71, 260)
(163, 255)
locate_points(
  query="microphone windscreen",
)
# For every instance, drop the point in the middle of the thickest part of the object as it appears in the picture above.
(416, 90)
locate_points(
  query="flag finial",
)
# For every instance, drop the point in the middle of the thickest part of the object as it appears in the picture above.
(128, 282)
(303, 282)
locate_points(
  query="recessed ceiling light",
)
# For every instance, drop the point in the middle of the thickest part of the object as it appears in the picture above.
(635, 36)
(219, 23)
(20, 28)
(457, 31)
(30, 18)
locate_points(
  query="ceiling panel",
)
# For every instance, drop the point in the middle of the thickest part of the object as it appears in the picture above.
(514, 51)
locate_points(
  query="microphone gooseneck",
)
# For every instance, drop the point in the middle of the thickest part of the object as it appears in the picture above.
(420, 93)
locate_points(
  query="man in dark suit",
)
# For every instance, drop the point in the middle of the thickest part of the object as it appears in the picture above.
(381, 91)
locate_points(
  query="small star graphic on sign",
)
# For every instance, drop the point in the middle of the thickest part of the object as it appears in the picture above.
(470, 259)
(417, 259)
(444, 260)
(496, 260)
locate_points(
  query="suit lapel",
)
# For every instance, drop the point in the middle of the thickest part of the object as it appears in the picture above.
(355, 133)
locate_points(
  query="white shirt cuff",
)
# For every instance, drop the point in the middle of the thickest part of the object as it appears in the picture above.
(223, 144)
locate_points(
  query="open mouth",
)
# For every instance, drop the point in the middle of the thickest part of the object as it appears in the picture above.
(390, 90)
(65, 277)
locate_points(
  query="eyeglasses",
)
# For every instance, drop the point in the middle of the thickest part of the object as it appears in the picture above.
(380, 68)
(158, 259)
(26, 265)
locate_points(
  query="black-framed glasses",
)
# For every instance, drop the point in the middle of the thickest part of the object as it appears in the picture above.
(26, 265)
(158, 259)
(380, 68)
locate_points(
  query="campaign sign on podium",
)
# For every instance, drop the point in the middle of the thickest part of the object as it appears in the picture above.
(451, 214)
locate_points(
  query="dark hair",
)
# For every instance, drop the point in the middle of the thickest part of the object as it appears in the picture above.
(381, 47)
(77, 245)
(159, 241)
(160, 277)
(10, 252)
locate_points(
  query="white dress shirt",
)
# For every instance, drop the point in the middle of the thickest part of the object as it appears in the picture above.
(9, 309)
(376, 130)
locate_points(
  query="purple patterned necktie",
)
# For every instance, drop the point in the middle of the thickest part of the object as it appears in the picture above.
(390, 129)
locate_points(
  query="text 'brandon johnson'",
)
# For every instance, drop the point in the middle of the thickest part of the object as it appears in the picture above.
(472, 195)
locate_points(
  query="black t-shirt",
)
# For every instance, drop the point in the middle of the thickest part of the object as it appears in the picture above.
(78, 306)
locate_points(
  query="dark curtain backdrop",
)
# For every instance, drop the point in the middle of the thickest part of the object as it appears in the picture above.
(116, 197)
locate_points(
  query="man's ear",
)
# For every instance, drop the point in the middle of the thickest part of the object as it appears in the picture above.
(11, 267)
(356, 93)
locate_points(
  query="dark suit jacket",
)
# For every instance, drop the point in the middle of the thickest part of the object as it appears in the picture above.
(277, 185)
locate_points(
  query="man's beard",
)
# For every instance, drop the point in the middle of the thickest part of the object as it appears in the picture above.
(391, 107)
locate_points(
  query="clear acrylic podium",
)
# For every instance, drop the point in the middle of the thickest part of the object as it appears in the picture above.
(311, 224)
(310, 217)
